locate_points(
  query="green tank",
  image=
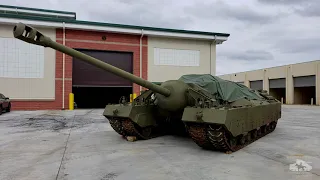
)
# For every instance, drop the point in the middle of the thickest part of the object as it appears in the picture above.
(217, 114)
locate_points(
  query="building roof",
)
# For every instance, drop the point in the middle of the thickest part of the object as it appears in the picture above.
(53, 18)
(272, 67)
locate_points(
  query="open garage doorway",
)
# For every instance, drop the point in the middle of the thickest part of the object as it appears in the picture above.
(99, 97)
(95, 88)
(304, 89)
(277, 89)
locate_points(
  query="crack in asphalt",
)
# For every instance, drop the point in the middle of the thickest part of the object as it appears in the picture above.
(65, 148)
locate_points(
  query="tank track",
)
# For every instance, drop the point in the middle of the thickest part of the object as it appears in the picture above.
(216, 137)
(126, 127)
(212, 137)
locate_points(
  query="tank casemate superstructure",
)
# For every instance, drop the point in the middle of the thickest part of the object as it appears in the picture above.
(217, 114)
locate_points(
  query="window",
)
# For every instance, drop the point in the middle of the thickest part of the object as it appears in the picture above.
(19, 59)
(176, 57)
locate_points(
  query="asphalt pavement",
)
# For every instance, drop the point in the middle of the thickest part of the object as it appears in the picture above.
(81, 144)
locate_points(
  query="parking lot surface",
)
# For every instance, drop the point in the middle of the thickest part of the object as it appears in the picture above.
(80, 144)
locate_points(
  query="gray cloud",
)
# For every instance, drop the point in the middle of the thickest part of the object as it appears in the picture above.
(282, 2)
(263, 33)
(298, 45)
(220, 9)
(140, 12)
(305, 8)
(145, 13)
(312, 10)
(248, 55)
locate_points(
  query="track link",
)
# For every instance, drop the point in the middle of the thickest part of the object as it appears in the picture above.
(126, 127)
(117, 126)
(215, 137)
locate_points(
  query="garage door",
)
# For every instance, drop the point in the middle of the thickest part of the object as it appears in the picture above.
(304, 81)
(256, 85)
(277, 83)
(87, 75)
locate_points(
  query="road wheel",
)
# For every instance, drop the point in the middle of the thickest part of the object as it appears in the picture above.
(9, 107)
(1, 110)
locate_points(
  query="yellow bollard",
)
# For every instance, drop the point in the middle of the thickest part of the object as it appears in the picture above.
(132, 97)
(71, 101)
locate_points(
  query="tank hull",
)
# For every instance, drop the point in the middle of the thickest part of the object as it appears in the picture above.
(216, 113)
(222, 128)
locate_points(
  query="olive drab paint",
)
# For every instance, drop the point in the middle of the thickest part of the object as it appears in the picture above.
(181, 106)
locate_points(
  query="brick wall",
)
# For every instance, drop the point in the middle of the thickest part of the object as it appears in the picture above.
(88, 40)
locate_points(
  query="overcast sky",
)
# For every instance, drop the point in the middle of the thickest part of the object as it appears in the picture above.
(263, 33)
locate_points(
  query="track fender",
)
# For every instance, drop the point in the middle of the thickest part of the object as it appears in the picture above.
(238, 120)
(141, 115)
(204, 115)
(232, 119)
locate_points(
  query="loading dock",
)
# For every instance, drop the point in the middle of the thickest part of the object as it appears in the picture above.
(304, 89)
(256, 85)
(94, 87)
(277, 88)
(297, 83)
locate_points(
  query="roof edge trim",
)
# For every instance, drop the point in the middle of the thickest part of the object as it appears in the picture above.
(89, 25)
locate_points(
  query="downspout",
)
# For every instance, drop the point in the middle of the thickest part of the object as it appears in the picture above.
(141, 56)
(210, 57)
(63, 65)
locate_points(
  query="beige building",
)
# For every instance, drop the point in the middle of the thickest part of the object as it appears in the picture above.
(170, 58)
(27, 71)
(293, 84)
(35, 77)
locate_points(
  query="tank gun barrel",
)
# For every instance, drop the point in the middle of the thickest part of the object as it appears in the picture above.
(31, 35)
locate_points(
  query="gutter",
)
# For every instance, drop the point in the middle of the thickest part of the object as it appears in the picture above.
(50, 23)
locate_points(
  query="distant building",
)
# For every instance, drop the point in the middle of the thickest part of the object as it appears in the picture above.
(294, 83)
(41, 78)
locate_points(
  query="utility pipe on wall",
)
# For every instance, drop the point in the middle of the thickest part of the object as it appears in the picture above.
(141, 56)
(63, 64)
(210, 57)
